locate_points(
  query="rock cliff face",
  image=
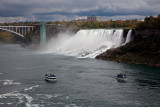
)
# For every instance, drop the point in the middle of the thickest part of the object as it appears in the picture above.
(143, 49)
(142, 34)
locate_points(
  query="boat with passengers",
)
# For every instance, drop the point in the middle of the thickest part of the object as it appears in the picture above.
(121, 77)
(50, 77)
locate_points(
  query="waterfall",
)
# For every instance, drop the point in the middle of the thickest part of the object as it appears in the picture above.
(86, 43)
(128, 39)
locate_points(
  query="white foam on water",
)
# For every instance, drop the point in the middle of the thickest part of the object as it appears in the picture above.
(10, 82)
(56, 95)
(86, 43)
(30, 88)
(0, 73)
(5, 103)
(22, 98)
(48, 96)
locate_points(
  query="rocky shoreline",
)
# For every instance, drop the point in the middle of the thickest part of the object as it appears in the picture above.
(150, 59)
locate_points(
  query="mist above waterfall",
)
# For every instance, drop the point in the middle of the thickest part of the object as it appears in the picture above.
(85, 43)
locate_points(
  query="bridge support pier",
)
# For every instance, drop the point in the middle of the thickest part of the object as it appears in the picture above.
(42, 33)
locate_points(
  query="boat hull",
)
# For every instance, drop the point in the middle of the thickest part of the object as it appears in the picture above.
(50, 79)
(122, 79)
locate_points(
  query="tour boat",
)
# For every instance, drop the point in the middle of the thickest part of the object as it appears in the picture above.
(121, 77)
(50, 77)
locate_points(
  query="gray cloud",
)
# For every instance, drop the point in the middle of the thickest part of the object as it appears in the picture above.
(68, 9)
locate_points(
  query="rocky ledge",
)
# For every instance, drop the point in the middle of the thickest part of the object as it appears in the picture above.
(144, 58)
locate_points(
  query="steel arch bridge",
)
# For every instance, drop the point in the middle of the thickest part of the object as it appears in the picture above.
(23, 30)
(18, 30)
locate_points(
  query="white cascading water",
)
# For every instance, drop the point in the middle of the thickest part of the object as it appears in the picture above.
(86, 43)
(128, 39)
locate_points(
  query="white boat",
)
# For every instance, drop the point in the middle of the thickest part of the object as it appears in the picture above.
(121, 77)
(50, 77)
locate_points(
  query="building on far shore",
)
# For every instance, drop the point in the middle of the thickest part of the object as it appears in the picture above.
(90, 18)
(93, 18)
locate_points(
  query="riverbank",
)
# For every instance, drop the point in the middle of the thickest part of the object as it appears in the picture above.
(143, 58)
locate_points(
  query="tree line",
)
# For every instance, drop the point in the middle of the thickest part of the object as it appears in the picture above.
(149, 23)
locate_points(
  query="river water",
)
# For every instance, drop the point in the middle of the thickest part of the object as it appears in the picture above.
(81, 82)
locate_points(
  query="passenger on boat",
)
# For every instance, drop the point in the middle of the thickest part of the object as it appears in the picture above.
(48, 74)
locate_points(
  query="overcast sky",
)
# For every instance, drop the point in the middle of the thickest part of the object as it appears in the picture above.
(51, 10)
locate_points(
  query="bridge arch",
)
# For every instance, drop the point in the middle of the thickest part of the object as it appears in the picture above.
(11, 32)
